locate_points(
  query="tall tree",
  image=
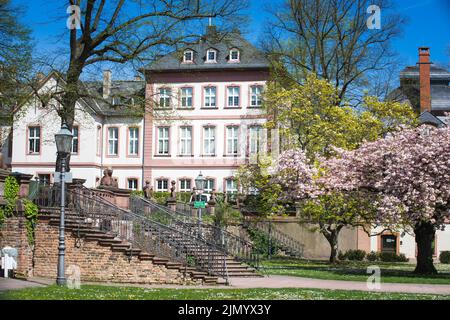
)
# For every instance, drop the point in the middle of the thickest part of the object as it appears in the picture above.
(408, 174)
(120, 31)
(331, 38)
(15, 57)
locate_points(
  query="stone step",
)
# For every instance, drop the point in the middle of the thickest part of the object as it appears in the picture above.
(109, 241)
(146, 256)
(160, 261)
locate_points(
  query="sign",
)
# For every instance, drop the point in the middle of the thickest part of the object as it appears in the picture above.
(199, 204)
(67, 177)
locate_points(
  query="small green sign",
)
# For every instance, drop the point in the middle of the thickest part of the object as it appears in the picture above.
(199, 204)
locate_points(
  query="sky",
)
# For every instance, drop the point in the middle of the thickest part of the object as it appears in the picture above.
(428, 24)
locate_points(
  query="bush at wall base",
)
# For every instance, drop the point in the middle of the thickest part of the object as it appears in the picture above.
(444, 257)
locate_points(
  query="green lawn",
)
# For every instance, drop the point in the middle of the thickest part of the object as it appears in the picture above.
(353, 271)
(96, 292)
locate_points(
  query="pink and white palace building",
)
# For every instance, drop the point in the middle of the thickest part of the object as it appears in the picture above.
(203, 113)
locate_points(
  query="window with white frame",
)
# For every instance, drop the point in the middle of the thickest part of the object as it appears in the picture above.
(210, 97)
(232, 140)
(231, 186)
(211, 56)
(209, 141)
(256, 96)
(75, 140)
(234, 55)
(132, 183)
(44, 178)
(164, 97)
(186, 97)
(185, 185)
(255, 139)
(233, 96)
(163, 140)
(133, 136)
(162, 185)
(113, 141)
(209, 185)
(34, 139)
(188, 56)
(186, 141)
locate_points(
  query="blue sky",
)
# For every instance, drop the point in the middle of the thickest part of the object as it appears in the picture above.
(428, 25)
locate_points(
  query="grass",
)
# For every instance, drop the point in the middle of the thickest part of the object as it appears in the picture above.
(97, 292)
(354, 271)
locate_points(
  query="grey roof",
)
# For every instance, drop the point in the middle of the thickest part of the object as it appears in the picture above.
(123, 88)
(440, 97)
(250, 57)
(428, 118)
(436, 73)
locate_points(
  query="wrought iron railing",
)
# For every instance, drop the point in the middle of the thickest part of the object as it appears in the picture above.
(142, 232)
(228, 243)
(286, 242)
(184, 208)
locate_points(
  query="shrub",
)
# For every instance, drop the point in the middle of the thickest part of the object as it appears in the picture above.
(355, 255)
(342, 256)
(260, 242)
(372, 256)
(444, 257)
(393, 257)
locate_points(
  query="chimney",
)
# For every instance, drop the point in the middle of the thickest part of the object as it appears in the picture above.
(424, 79)
(107, 74)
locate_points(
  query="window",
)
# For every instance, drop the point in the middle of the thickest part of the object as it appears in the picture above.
(232, 140)
(234, 55)
(210, 97)
(163, 141)
(75, 140)
(34, 139)
(186, 141)
(185, 185)
(255, 139)
(209, 141)
(186, 97)
(211, 55)
(44, 178)
(389, 243)
(132, 183)
(231, 186)
(162, 185)
(164, 97)
(233, 96)
(99, 140)
(133, 148)
(113, 141)
(209, 185)
(256, 96)
(116, 101)
(188, 56)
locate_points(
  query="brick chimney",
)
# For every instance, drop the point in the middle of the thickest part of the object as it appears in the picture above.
(424, 79)
(107, 74)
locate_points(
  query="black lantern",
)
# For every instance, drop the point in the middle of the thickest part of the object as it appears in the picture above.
(200, 183)
(64, 140)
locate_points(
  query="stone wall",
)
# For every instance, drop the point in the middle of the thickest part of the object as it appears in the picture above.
(13, 234)
(97, 262)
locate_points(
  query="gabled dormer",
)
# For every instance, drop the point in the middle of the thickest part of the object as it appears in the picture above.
(234, 55)
(211, 55)
(188, 56)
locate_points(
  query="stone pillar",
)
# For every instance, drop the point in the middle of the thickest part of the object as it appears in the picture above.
(172, 204)
(24, 183)
(297, 210)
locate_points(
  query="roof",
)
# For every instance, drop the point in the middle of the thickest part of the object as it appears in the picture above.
(428, 118)
(125, 89)
(436, 73)
(250, 57)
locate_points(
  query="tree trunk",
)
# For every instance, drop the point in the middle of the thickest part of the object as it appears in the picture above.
(425, 233)
(332, 237)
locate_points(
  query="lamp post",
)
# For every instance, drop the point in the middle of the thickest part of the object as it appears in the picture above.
(199, 187)
(63, 146)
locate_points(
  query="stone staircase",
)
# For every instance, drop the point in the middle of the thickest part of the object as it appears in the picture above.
(82, 229)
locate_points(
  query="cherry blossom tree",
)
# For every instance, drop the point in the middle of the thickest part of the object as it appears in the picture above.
(408, 172)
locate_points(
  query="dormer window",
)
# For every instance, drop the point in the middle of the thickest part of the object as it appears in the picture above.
(211, 56)
(234, 55)
(188, 56)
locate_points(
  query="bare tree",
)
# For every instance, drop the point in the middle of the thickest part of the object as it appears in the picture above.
(331, 38)
(119, 31)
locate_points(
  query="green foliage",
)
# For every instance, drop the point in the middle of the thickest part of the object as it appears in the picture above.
(11, 195)
(31, 215)
(392, 257)
(372, 256)
(444, 257)
(261, 243)
(342, 256)
(355, 255)
(225, 215)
